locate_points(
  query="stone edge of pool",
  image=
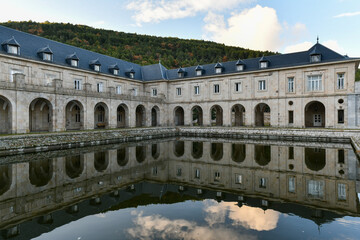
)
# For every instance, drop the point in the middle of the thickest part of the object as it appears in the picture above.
(26, 143)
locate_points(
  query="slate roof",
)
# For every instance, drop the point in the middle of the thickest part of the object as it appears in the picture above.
(30, 45)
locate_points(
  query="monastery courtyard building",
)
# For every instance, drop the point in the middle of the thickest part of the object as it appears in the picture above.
(50, 86)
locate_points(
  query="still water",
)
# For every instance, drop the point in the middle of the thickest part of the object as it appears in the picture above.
(183, 189)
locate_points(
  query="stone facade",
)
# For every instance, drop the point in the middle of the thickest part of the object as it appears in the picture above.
(40, 96)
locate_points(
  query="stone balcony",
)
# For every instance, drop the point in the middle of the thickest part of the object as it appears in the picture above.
(57, 88)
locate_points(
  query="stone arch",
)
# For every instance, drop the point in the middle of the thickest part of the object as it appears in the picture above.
(217, 151)
(238, 115)
(262, 115)
(74, 115)
(140, 153)
(197, 116)
(155, 151)
(315, 158)
(101, 161)
(262, 154)
(40, 115)
(216, 115)
(315, 114)
(122, 116)
(179, 116)
(179, 148)
(122, 156)
(197, 150)
(101, 115)
(74, 166)
(238, 152)
(40, 172)
(140, 114)
(155, 116)
(5, 178)
(5, 115)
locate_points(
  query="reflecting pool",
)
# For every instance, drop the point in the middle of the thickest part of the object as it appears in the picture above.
(183, 188)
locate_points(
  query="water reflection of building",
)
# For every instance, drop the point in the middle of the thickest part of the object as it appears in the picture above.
(323, 178)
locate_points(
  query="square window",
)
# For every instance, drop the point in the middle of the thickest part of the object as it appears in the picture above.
(178, 91)
(13, 49)
(218, 70)
(262, 183)
(198, 72)
(315, 188)
(118, 89)
(74, 63)
(116, 72)
(132, 75)
(263, 64)
(100, 87)
(47, 56)
(238, 179)
(238, 86)
(217, 176)
(240, 68)
(314, 83)
(180, 74)
(77, 83)
(316, 58)
(97, 68)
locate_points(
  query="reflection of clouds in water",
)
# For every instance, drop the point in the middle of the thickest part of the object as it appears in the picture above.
(158, 227)
(349, 222)
(101, 215)
(248, 217)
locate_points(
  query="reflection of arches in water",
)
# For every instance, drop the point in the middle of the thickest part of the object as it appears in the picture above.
(262, 154)
(5, 178)
(122, 156)
(101, 161)
(197, 150)
(74, 166)
(315, 158)
(217, 151)
(40, 172)
(179, 148)
(238, 152)
(140, 153)
(155, 151)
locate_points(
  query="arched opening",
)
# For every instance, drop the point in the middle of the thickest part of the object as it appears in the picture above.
(197, 116)
(216, 114)
(140, 116)
(40, 112)
(122, 156)
(155, 151)
(74, 166)
(179, 148)
(262, 154)
(179, 116)
(140, 153)
(5, 178)
(74, 115)
(217, 151)
(101, 115)
(238, 115)
(155, 116)
(197, 150)
(315, 158)
(122, 116)
(314, 114)
(262, 115)
(238, 152)
(5, 115)
(40, 172)
(101, 161)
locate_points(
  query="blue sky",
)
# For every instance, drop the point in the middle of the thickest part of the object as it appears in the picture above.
(276, 25)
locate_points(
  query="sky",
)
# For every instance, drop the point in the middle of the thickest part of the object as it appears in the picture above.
(276, 25)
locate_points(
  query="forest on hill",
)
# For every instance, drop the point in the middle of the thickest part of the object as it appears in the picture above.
(140, 49)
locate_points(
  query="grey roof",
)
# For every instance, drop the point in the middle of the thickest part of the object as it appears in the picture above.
(264, 59)
(62, 53)
(45, 50)
(114, 66)
(181, 70)
(218, 65)
(95, 62)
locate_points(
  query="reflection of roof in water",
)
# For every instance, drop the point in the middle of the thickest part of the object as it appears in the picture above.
(145, 193)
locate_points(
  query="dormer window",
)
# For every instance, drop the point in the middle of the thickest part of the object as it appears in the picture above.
(13, 50)
(74, 63)
(315, 54)
(45, 54)
(73, 60)
(95, 65)
(218, 68)
(132, 75)
(263, 64)
(199, 70)
(316, 58)
(11, 46)
(114, 69)
(181, 72)
(240, 68)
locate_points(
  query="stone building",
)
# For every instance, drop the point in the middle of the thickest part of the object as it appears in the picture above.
(50, 86)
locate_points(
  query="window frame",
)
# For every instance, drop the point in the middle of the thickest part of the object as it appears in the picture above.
(197, 90)
(291, 84)
(13, 47)
(74, 63)
(264, 64)
(238, 87)
(154, 92)
(47, 57)
(340, 81)
(100, 87)
(78, 84)
(216, 88)
(118, 89)
(178, 91)
(262, 85)
(240, 68)
(314, 85)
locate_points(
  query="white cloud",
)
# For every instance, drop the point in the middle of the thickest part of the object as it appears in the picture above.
(334, 45)
(255, 28)
(349, 14)
(147, 11)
